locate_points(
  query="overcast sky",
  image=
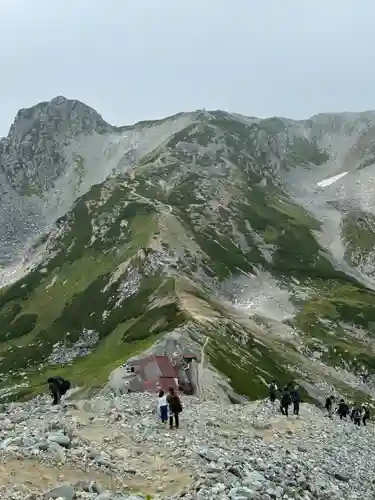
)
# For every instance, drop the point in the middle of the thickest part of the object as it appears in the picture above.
(134, 60)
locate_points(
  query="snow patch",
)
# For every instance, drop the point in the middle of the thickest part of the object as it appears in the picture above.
(331, 180)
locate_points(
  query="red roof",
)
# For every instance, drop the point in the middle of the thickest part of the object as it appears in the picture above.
(157, 372)
(166, 367)
(154, 367)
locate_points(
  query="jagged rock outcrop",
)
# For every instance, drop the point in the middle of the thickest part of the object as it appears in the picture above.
(36, 153)
(32, 156)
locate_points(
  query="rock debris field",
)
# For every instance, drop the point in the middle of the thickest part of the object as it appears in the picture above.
(110, 448)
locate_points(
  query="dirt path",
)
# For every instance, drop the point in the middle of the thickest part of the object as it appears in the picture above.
(33, 474)
(154, 471)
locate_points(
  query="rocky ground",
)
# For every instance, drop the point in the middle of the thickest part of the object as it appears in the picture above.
(110, 448)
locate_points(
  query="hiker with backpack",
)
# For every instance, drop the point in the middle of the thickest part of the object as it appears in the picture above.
(285, 401)
(356, 415)
(58, 386)
(296, 399)
(272, 391)
(343, 409)
(175, 408)
(329, 405)
(365, 415)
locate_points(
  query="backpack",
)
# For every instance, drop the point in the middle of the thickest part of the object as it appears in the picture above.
(343, 409)
(175, 404)
(285, 400)
(272, 388)
(356, 414)
(178, 405)
(63, 384)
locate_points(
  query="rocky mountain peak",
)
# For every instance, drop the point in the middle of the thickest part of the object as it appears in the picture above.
(60, 115)
(31, 155)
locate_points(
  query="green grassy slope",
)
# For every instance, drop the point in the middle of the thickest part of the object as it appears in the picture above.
(195, 207)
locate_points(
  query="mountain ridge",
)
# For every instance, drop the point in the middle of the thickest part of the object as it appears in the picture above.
(200, 226)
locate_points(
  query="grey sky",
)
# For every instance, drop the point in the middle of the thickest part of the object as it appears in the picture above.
(133, 60)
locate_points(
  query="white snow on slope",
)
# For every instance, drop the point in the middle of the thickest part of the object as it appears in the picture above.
(331, 180)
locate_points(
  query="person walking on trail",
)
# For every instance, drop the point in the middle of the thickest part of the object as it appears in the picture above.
(343, 409)
(329, 405)
(296, 399)
(163, 407)
(357, 415)
(175, 408)
(365, 415)
(285, 402)
(272, 391)
(58, 386)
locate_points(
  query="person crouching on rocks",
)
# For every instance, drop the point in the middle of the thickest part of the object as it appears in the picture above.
(285, 402)
(58, 386)
(329, 405)
(175, 408)
(163, 407)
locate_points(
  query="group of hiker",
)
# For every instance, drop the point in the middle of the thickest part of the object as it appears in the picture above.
(357, 413)
(169, 407)
(290, 395)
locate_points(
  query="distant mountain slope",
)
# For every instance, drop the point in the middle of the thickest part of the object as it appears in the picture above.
(53, 154)
(204, 224)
